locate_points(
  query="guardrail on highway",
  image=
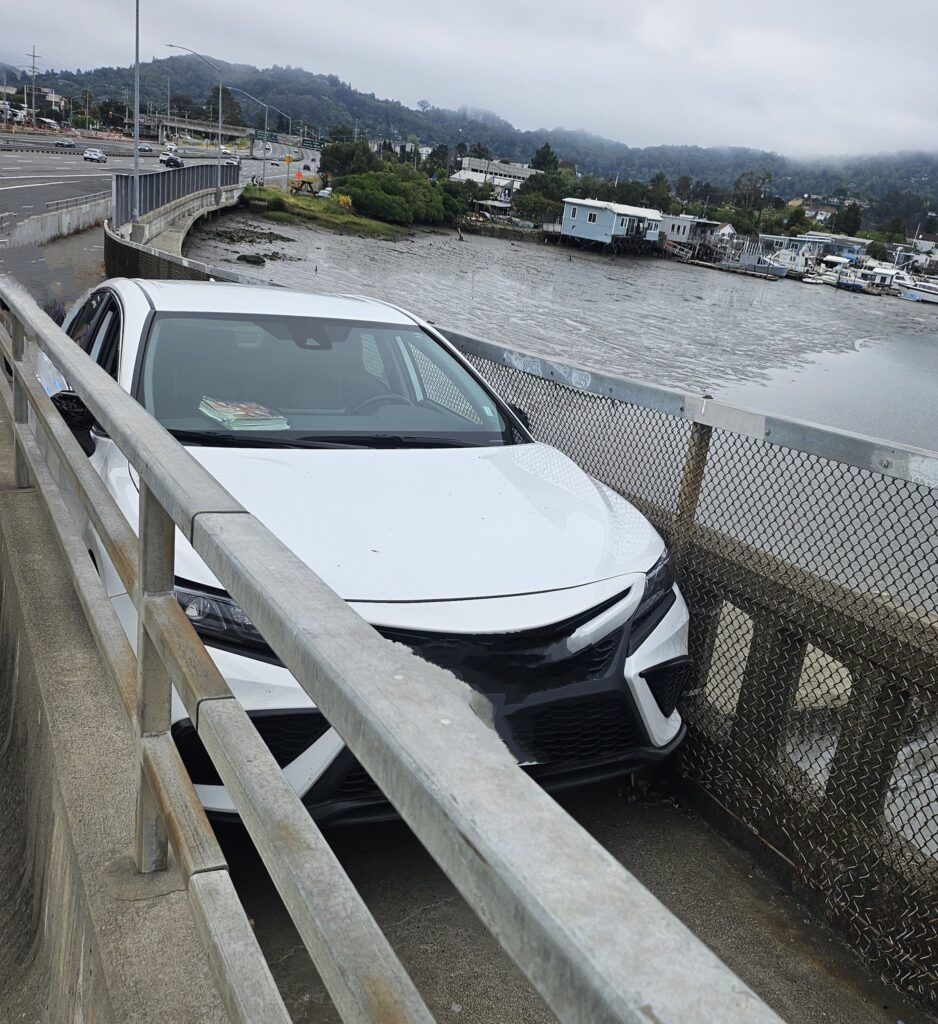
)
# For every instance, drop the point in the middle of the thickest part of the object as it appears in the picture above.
(65, 204)
(595, 944)
(159, 188)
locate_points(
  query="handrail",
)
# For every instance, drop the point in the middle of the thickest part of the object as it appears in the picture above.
(569, 915)
(887, 458)
(62, 204)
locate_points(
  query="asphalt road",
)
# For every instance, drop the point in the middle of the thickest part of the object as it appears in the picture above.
(31, 179)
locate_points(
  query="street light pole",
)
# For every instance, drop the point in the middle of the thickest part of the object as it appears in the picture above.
(136, 210)
(214, 67)
(266, 107)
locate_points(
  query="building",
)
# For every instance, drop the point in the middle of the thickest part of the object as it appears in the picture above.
(817, 244)
(689, 230)
(501, 173)
(595, 220)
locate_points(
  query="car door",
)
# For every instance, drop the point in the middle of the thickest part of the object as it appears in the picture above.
(104, 345)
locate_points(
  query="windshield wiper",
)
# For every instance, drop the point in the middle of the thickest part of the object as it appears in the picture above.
(383, 440)
(244, 439)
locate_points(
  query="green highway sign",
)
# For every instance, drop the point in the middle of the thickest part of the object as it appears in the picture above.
(263, 136)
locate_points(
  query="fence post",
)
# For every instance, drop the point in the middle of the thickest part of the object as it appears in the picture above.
(870, 740)
(20, 404)
(685, 509)
(770, 682)
(155, 577)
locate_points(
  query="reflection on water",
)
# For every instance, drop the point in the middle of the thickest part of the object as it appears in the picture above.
(860, 362)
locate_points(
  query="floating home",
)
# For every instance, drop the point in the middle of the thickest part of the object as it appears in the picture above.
(595, 222)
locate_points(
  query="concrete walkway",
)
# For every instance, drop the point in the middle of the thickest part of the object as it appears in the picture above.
(799, 967)
(59, 270)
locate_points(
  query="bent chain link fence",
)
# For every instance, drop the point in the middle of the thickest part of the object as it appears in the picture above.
(812, 586)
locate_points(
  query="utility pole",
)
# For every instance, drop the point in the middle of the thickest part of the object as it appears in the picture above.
(34, 82)
(136, 209)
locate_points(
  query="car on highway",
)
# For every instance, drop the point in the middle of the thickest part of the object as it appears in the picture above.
(144, 147)
(65, 143)
(225, 151)
(170, 147)
(370, 447)
(172, 161)
(232, 161)
(95, 155)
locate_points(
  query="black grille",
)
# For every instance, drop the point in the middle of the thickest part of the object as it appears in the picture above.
(286, 733)
(357, 785)
(577, 732)
(667, 682)
(497, 662)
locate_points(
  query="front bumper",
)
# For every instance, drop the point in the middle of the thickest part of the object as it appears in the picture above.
(620, 721)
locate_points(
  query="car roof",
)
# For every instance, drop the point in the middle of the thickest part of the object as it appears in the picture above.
(228, 297)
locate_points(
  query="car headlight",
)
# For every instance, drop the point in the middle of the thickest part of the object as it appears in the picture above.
(659, 581)
(218, 618)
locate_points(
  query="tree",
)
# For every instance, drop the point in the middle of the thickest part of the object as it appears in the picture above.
(876, 250)
(659, 192)
(847, 220)
(437, 161)
(342, 158)
(748, 187)
(230, 108)
(682, 187)
(480, 152)
(545, 159)
(424, 105)
(341, 133)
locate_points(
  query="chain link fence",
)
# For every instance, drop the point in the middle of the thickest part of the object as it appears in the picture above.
(812, 584)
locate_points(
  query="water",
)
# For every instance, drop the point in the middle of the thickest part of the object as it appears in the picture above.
(858, 362)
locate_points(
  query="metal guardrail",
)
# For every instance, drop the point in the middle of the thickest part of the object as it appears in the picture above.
(160, 188)
(809, 560)
(64, 204)
(595, 944)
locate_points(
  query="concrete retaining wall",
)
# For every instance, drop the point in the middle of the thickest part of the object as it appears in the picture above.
(83, 937)
(43, 227)
(179, 215)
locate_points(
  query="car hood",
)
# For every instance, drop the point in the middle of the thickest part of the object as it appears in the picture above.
(434, 524)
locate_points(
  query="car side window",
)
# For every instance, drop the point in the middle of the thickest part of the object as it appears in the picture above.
(105, 346)
(439, 387)
(79, 330)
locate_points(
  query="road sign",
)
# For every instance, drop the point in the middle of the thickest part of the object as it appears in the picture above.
(288, 159)
(263, 136)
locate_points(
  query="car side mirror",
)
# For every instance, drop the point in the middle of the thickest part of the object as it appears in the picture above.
(521, 414)
(77, 416)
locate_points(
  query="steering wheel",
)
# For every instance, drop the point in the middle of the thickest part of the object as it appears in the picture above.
(391, 398)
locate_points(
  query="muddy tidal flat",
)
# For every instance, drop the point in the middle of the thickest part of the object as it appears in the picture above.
(858, 362)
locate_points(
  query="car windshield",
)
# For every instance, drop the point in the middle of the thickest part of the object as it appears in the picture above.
(245, 380)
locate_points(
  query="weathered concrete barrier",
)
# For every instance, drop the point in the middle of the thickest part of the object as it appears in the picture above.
(43, 227)
(83, 936)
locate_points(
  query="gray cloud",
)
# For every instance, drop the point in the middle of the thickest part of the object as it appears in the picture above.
(800, 78)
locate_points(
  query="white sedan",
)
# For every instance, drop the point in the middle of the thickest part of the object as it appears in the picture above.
(362, 439)
(95, 155)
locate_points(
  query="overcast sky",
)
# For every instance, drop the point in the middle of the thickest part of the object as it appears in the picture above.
(796, 77)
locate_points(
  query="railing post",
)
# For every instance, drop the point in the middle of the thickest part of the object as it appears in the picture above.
(155, 576)
(871, 737)
(20, 404)
(770, 682)
(685, 509)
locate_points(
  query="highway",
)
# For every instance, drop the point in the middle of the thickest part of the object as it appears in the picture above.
(31, 178)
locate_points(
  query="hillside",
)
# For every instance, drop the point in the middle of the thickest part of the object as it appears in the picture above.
(323, 102)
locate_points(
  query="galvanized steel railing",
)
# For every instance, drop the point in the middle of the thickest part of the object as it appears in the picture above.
(595, 944)
(159, 188)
